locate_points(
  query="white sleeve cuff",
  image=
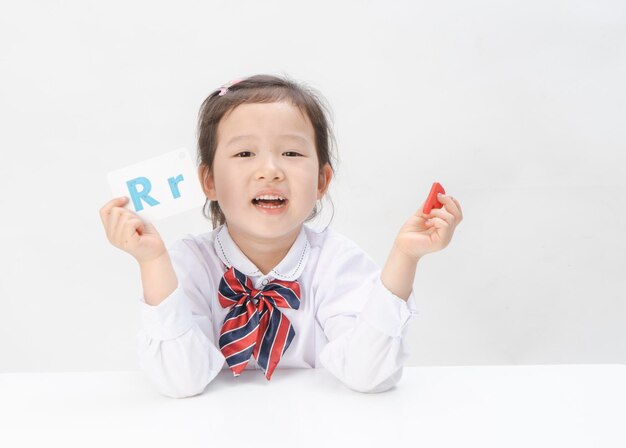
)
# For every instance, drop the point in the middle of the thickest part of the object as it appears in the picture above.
(169, 319)
(387, 312)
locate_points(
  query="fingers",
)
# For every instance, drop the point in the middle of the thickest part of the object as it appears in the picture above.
(443, 215)
(106, 209)
(420, 212)
(128, 231)
(112, 225)
(451, 212)
(452, 205)
(120, 224)
(437, 223)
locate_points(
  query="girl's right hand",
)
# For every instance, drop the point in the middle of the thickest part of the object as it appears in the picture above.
(126, 231)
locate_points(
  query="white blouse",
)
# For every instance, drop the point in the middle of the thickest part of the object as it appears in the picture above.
(348, 321)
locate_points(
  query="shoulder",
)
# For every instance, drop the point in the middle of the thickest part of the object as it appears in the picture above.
(194, 258)
(333, 245)
(341, 267)
(195, 246)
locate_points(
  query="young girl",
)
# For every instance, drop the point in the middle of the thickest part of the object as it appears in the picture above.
(263, 288)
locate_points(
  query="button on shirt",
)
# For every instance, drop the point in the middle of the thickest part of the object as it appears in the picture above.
(348, 321)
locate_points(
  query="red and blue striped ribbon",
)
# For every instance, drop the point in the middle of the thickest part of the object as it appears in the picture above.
(254, 325)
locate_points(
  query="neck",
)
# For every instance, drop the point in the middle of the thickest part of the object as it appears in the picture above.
(265, 253)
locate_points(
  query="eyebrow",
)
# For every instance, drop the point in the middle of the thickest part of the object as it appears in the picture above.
(249, 136)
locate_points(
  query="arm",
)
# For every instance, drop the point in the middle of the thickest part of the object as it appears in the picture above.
(158, 279)
(399, 273)
(365, 324)
(175, 342)
(364, 315)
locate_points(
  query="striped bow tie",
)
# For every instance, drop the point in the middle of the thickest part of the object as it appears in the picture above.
(255, 325)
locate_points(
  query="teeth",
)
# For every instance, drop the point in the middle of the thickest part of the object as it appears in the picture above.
(269, 197)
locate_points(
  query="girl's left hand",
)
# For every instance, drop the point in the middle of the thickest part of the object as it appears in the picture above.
(426, 233)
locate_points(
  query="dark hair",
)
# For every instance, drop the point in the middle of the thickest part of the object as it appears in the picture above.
(263, 89)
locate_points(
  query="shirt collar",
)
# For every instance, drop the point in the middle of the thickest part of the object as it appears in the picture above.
(289, 269)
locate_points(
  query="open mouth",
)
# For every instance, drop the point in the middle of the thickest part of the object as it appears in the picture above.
(269, 203)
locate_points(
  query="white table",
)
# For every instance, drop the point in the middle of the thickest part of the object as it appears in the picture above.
(482, 406)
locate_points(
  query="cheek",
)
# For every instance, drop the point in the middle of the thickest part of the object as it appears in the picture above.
(310, 184)
(226, 184)
(306, 171)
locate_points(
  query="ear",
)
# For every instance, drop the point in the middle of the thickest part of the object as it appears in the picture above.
(324, 180)
(207, 182)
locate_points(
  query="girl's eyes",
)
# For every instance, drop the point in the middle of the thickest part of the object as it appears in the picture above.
(287, 152)
(292, 152)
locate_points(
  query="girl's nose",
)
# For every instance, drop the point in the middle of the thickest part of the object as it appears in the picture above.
(269, 166)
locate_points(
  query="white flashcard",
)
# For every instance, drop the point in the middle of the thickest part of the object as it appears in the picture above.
(159, 187)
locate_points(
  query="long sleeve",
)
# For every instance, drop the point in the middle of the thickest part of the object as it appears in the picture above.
(365, 324)
(175, 341)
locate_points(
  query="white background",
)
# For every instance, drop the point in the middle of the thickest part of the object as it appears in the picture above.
(517, 107)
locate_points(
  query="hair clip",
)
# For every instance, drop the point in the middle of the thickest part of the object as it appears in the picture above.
(224, 88)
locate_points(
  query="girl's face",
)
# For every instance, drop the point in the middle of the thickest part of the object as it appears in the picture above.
(266, 146)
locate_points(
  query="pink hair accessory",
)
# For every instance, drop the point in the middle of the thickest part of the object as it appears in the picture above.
(224, 88)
